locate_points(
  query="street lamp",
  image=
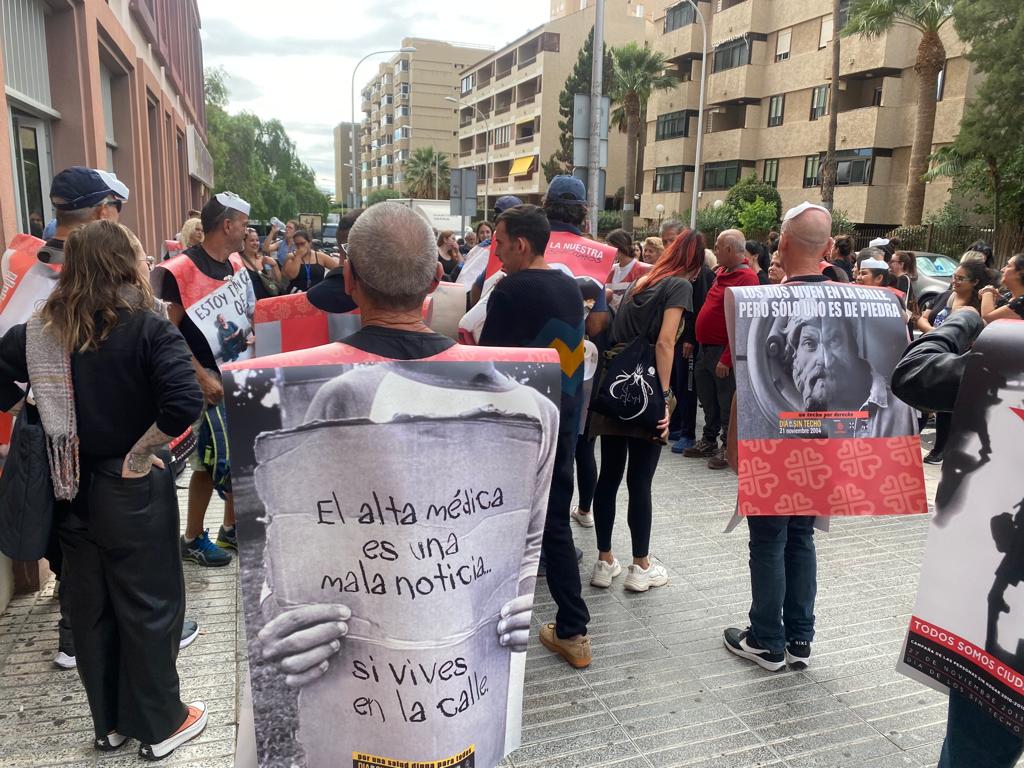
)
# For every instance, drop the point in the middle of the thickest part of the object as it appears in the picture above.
(661, 212)
(357, 198)
(487, 149)
(700, 117)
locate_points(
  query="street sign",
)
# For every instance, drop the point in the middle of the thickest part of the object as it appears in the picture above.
(581, 116)
(581, 152)
(463, 192)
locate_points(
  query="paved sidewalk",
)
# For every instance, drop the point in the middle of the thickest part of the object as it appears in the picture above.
(662, 690)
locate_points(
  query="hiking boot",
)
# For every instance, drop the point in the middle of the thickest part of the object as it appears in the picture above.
(604, 573)
(702, 449)
(227, 539)
(640, 580)
(203, 551)
(584, 519)
(194, 724)
(575, 650)
(798, 654)
(682, 444)
(718, 461)
(742, 643)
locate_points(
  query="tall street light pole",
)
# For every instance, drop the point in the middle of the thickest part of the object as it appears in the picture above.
(594, 150)
(487, 149)
(357, 198)
(700, 117)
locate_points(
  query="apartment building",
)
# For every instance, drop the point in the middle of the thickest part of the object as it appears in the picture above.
(404, 108)
(112, 84)
(508, 102)
(768, 96)
(343, 188)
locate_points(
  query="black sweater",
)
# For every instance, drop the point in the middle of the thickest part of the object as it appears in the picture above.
(140, 375)
(929, 373)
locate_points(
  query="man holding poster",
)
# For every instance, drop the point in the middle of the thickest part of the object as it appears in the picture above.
(966, 634)
(819, 431)
(388, 604)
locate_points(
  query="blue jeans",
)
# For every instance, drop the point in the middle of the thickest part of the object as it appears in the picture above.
(975, 740)
(783, 579)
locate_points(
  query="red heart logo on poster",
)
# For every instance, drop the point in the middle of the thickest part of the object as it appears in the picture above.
(794, 504)
(767, 447)
(808, 467)
(849, 500)
(858, 459)
(757, 478)
(905, 450)
(903, 494)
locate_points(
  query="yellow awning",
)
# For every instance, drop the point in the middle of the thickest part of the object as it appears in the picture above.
(522, 165)
(526, 121)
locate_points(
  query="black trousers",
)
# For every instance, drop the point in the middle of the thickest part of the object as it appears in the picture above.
(715, 393)
(563, 573)
(684, 386)
(126, 591)
(586, 471)
(642, 458)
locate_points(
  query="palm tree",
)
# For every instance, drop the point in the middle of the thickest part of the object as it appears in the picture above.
(639, 72)
(427, 174)
(873, 18)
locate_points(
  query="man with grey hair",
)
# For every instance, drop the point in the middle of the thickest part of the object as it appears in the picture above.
(713, 374)
(783, 563)
(669, 231)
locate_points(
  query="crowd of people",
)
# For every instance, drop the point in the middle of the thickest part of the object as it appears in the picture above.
(121, 363)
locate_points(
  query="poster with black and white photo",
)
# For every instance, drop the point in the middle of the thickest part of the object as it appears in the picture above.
(390, 517)
(967, 630)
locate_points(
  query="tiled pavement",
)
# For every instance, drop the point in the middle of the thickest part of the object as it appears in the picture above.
(661, 692)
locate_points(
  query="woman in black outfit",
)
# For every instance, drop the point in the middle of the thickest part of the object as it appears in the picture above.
(759, 259)
(305, 267)
(113, 383)
(264, 272)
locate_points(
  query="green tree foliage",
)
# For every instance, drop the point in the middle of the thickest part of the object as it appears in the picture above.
(257, 159)
(757, 218)
(380, 195)
(712, 219)
(579, 81)
(873, 18)
(639, 72)
(420, 172)
(841, 224)
(750, 188)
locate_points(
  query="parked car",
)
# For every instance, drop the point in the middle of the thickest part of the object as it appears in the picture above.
(934, 275)
(330, 236)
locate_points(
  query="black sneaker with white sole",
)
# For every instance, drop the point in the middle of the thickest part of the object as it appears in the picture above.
(743, 644)
(189, 632)
(798, 654)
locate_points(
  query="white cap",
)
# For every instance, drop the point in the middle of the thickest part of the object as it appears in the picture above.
(792, 213)
(874, 264)
(878, 242)
(113, 183)
(233, 201)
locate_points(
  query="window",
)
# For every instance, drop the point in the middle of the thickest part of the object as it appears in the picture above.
(106, 89)
(467, 84)
(844, 12)
(669, 179)
(776, 110)
(854, 166)
(771, 172)
(402, 111)
(876, 97)
(782, 44)
(502, 135)
(402, 132)
(825, 35)
(940, 86)
(819, 101)
(403, 65)
(732, 54)
(812, 171)
(671, 125)
(403, 90)
(721, 175)
(679, 16)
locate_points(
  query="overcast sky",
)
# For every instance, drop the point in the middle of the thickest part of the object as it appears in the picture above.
(294, 60)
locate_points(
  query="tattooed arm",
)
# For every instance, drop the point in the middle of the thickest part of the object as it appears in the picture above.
(140, 458)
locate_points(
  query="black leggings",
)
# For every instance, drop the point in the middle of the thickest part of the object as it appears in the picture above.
(586, 471)
(642, 459)
(943, 426)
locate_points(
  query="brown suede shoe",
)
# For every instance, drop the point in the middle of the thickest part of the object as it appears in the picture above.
(575, 650)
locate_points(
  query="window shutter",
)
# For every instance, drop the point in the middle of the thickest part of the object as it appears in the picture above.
(826, 31)
(782, 44)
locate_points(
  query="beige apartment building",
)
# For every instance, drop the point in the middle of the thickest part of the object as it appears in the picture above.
(508, 102)
(343, 164)
(767, 102)
(404, 108)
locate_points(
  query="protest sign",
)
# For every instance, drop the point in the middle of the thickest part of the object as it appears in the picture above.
(819, 430)
(967, 629)
(289, 323)
(586, 260)
(379, 486)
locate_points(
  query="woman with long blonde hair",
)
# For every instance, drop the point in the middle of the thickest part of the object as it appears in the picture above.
(113, 383)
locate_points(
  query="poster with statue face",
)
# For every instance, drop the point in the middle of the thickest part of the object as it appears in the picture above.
(390, 517)
(819, 429)
(967, 629)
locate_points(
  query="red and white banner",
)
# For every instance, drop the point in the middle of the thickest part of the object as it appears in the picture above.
(820, 432)
(580, 256)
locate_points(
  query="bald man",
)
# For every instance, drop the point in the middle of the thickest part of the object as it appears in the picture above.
(713, 374)
(783, 563)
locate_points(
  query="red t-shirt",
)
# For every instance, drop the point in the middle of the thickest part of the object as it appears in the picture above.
(711, 327)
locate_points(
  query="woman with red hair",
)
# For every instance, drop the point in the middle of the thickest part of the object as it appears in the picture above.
(653, 308)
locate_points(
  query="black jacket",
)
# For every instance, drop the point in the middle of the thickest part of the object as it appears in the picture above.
(928, 375)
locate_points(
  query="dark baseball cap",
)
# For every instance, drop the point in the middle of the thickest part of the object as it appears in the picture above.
(505, 202)
(567, 189)
(77, 188)
(329, 294)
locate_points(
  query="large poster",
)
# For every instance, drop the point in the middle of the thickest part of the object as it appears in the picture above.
(967, 630)
(820, 432)
(586, 260)
(406, 502)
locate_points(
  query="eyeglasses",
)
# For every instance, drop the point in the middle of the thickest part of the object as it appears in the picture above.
(113, 204)
(344, 248)
(961, 279)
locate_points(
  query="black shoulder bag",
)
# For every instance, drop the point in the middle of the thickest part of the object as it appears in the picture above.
(26, 491)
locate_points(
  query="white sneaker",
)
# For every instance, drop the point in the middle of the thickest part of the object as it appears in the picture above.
(585, 519)
(639, 580)
(64, 661)
(198, 716)
(604, 573)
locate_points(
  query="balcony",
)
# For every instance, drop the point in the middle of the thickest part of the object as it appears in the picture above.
(738, 19)
(735, 144)
(885, 127)
(885, 56)
(501, 109)
(528, 139)
(741, 84)
(685, 42)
